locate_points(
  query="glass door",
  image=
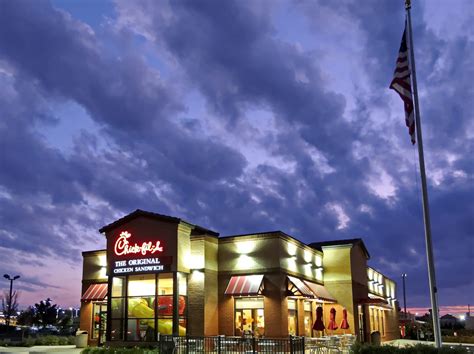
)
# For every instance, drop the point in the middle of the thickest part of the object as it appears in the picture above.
(102, 325)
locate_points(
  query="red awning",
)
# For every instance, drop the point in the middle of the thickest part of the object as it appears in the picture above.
(301, 287)
(244, 285)
(320, 291)
(95, 292)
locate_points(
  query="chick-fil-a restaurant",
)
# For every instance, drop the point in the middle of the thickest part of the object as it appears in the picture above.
(163, 275)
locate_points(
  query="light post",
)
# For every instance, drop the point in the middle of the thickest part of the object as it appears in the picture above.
(404, 275)
(7, 318)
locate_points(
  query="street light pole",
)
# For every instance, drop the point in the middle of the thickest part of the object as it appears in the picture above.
(9, 313)
(404, 275)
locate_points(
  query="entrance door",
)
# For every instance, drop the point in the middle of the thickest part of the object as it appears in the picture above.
(102, 326)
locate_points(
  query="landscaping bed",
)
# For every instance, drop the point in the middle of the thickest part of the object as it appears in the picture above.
(40, 340)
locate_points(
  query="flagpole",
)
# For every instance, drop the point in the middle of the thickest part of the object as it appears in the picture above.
(426, 210)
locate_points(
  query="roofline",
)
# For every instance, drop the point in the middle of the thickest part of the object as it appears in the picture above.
(351, 241)
(156, 216)
(275, 232)
(92, 252)
(378, 271)
(253, 233)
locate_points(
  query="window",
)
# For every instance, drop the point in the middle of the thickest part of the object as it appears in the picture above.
(382, 319)
(292, 317)
(308, 319)
(142, 306)
(249, 317)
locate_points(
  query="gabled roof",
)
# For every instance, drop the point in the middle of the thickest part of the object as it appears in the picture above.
(197, 230)
(353, 241)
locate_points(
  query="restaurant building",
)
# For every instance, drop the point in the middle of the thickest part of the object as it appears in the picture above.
(163, 275)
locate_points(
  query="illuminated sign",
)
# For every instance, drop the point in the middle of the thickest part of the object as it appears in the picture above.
(124, 247)
(140, 265)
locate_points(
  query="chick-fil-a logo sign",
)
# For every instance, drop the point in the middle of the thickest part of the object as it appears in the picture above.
(123, 246)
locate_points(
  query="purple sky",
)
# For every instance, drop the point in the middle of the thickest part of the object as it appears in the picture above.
(238, 116)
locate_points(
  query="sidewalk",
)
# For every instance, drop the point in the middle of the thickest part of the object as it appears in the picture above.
(42, 349)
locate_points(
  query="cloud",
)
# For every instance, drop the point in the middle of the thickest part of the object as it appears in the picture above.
(214, 114)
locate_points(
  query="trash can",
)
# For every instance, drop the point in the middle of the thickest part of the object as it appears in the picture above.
(81, 339)
(375, 338)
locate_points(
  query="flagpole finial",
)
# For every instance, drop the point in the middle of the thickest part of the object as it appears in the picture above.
(407, 4)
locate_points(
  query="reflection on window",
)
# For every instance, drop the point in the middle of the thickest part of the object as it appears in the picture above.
(117, 286)
(165, 284)
(249, 317)
(292, 317)
(141, 329)
(308, 319)
(117, 308)
(116, 330)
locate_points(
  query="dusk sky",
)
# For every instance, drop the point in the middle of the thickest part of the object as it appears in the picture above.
(240, 117)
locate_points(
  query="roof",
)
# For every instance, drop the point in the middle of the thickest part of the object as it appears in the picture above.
(160, 217)
(94, 252)
(257, 233)
(275, 232)
(353, 241)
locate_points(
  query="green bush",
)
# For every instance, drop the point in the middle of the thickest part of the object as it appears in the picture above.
(415, 349)
(42, 340)
(47, 340)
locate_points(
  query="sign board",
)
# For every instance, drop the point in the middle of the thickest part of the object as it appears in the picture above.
(142, 257)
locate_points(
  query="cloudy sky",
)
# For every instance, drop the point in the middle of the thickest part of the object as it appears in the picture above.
(238, 116)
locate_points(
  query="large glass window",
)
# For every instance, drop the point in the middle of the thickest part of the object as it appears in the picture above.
(292, 317)
(249, 317)
(165, 303)
(117, 310)
(142, 306)
(308, 319)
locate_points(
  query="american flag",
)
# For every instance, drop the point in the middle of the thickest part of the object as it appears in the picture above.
(402, 85)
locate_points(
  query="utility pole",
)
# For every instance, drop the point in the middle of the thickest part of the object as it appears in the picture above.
(9, 312)
(404, 275)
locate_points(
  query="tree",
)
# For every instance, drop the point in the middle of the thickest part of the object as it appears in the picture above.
(45, 313)
(6, 302)
(26, 317)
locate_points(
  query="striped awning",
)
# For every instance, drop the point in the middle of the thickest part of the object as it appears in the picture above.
(299, 287)
(245, 285)
(320, 291)
(95, 292)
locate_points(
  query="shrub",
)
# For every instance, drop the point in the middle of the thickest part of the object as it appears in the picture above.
(458, 339)
(416, 349)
